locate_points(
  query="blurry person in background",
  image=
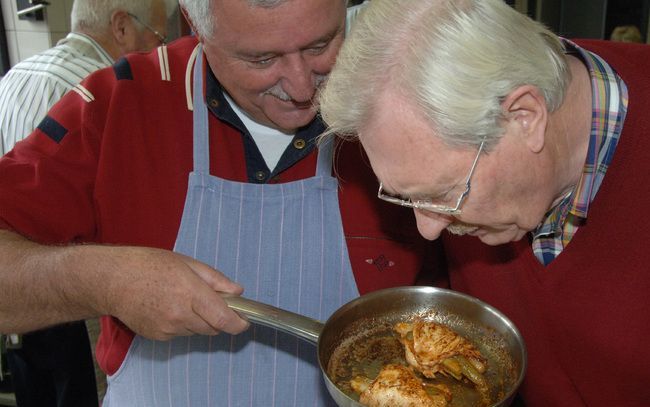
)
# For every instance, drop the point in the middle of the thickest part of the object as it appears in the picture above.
(626, 33)
(526, 156)
(54, 367)
(190, 172)
(102, 31)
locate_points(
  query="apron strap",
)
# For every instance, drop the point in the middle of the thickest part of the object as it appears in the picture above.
(200, 123)
(325, 157)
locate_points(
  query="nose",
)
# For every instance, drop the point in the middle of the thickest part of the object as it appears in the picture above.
(298, 80)
(430, 224)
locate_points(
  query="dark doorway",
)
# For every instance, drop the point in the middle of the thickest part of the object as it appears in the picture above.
(4, 50)
(627, 12)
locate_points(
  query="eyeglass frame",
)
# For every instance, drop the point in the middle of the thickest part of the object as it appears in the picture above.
(428, 206)
(161, 38)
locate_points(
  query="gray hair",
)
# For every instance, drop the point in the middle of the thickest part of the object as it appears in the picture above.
(202, 16)
(94, 15)
(455, 59)
(200, 12)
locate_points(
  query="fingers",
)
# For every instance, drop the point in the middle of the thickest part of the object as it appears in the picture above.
(177, 296)
(213, 310)
(211, 316)
(211, 313)
(216, 280)
(217, 316)
(208, 315)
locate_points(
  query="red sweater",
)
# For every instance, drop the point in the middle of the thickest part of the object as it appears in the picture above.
(118, 175)
(585, 317)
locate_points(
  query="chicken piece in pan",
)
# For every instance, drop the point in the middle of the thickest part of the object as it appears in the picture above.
(398, 386)
(432, 348)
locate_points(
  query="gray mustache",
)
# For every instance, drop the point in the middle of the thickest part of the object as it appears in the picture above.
(277, 91)
(461, 228)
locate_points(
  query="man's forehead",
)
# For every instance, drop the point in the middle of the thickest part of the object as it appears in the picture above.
(404, 151)
(271, 12)
(290, 24)
(392, 109)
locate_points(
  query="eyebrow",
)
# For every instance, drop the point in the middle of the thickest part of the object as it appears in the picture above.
(326, 39)
(422, 195)
(255, 55)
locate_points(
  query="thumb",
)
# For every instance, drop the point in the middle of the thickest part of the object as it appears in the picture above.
(215, 279)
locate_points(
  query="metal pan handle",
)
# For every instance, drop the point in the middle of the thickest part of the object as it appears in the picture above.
(264, 314)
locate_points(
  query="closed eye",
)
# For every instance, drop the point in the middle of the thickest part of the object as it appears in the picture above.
(317, 50)
(262, 62)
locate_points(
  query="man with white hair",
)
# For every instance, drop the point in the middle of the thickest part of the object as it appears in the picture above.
(102, 31)
(53, 367)
(537, 149)
(206, 146)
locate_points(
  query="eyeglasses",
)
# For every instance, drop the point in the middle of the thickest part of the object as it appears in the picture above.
(161, 38)
(444, 204)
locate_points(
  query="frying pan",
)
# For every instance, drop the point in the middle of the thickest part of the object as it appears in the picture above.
(368, 315)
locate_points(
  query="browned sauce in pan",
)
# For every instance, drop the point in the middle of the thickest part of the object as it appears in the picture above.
(365, 353)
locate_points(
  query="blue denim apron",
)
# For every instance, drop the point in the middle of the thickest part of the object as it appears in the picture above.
(284, 243)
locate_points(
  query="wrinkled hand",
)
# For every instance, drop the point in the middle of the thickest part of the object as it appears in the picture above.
(160, 294)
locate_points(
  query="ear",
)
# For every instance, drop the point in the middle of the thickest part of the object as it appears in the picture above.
(122, 28)
(525, 112)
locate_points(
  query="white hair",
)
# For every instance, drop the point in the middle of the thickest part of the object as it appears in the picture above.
(93, 16)
(456, 60)
(202, 16)
(200, 12)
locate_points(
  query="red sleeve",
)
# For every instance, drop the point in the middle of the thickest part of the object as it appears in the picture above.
(46, 181)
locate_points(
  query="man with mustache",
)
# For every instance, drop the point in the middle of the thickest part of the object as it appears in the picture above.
(485, 123)
(206, 146)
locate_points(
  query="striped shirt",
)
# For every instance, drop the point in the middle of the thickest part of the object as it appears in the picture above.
(32, 86)
(609, 107)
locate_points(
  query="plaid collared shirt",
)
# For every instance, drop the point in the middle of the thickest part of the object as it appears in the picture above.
(609, 107)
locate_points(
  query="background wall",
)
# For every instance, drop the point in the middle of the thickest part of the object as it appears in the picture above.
(26, 38)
